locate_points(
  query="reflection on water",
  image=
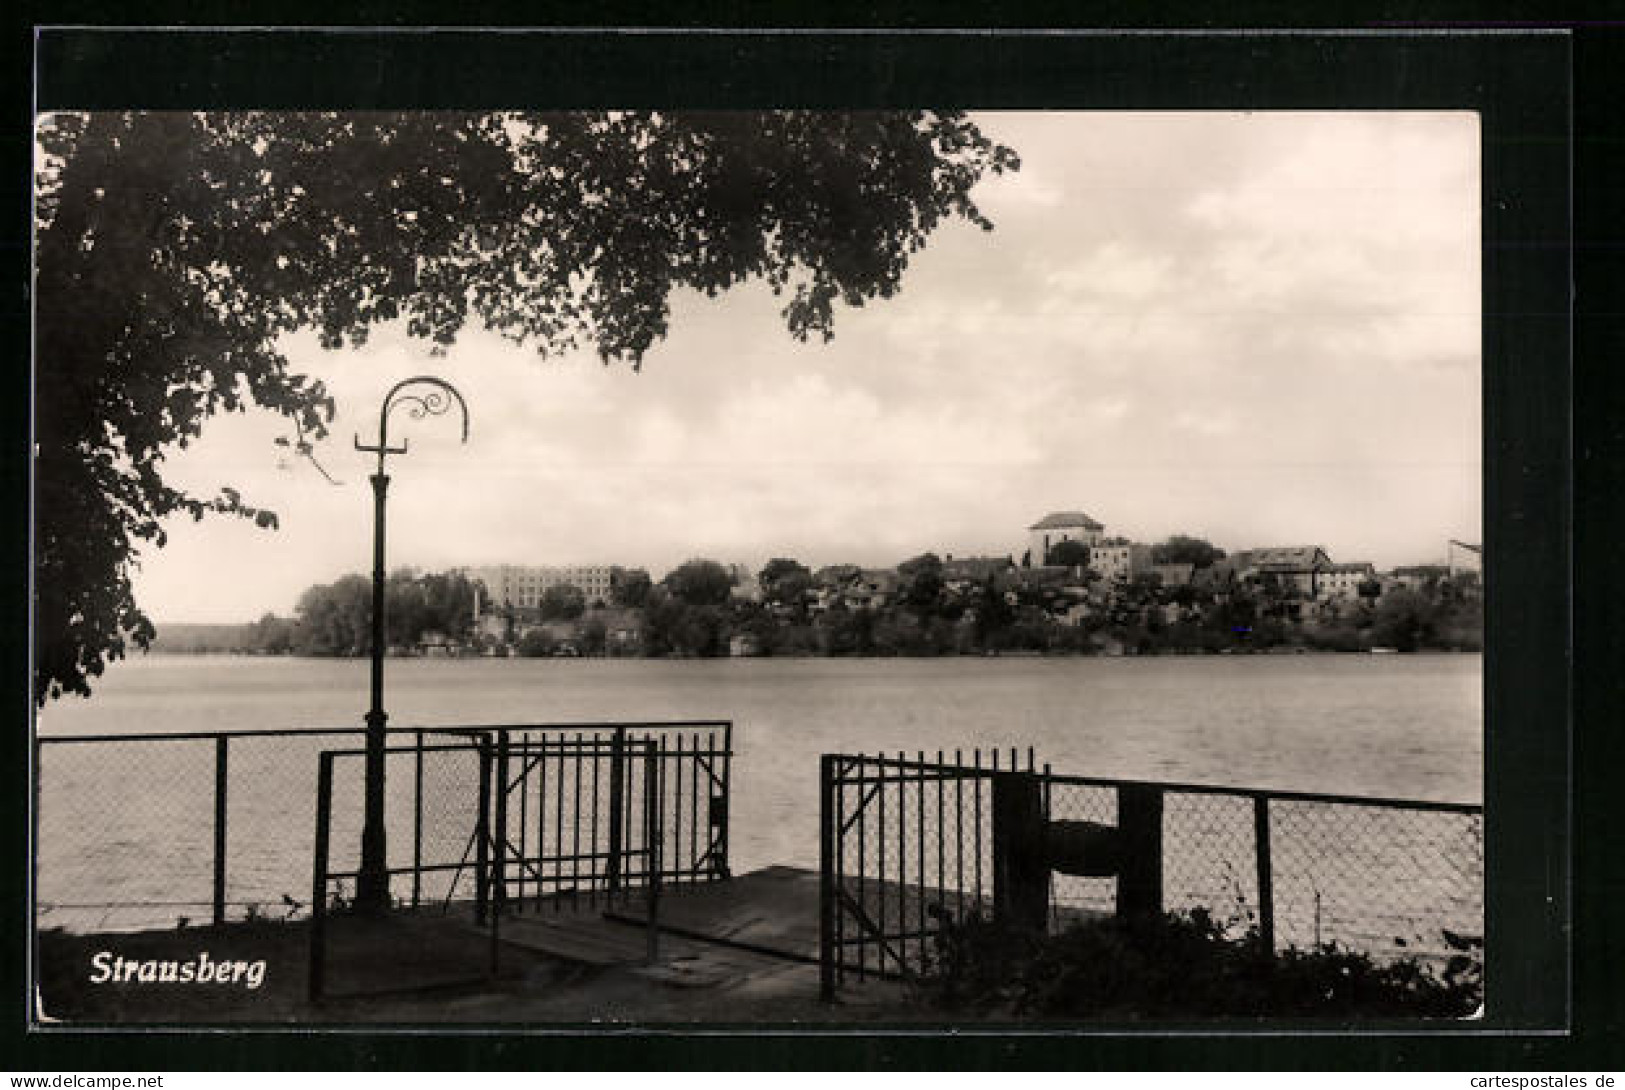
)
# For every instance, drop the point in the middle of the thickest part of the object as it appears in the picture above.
(1390, 725)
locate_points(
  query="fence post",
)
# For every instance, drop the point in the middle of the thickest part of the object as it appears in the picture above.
(654, 795)
(318, 881)
(826, 877)
(1266, 875)
(721, 861)
(221, 786)
(482, 835)
(1020, 864)
(499, 875)
(1139, 878)
(417, 821)
(499, 845)
(617, 804)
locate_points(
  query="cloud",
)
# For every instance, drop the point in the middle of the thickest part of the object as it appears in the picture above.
(1259, 327)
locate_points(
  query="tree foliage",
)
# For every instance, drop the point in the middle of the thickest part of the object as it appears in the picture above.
(336, 618)
(629, 587)
(1069, 554)
(564, 602)
(700, 583)
(1183, 549)
(174, 250)
(785, 582)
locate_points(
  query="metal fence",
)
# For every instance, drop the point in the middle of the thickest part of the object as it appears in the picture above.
(573, 805)
(153, 830)
(909, 845)
(510, 821)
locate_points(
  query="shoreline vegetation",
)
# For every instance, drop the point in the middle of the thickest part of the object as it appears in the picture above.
(924, 608)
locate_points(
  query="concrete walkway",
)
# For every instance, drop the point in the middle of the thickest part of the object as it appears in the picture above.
(743, 951)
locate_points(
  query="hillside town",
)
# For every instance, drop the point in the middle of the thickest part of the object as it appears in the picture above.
(1074, 589)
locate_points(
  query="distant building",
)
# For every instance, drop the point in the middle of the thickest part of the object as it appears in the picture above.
(1174, 575)
(522, 587)
(747, 587)
(1298, 567)
(1418, 576)
(1120, 561)
(1059, 526)
(872, 589)
(972, 572)
(1344, 580)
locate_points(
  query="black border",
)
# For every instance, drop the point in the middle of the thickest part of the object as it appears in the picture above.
(1519, 81)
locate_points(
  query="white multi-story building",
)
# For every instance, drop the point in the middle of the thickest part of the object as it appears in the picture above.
(1120, 561)
(1343, 580)
(1059, 526)
(522, 586)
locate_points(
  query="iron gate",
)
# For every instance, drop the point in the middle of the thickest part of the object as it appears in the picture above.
(912, 847)
(515, 819)
(907, 844)
(586, 815)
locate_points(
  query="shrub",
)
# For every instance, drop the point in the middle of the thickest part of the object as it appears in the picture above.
(1180, 966)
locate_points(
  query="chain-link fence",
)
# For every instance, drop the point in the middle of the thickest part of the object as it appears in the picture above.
(146, 831)
(1386, 877)
(911, 844)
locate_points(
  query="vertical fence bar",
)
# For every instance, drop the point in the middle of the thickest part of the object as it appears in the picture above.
(417, 820)
(653, 792)
(617, 793)
(694, 813)
(631, 778)
(663, 754)
(524, 820)
(977, 799)
(318, 880)
(500, 851)
(863, 860)
(959, 833)
(595, 868)
(1266, 876)
(222, 780)
(558, 828)
(1049, 815)
(677, 815)
(902, 865)
(499, 893)
(919, 868)
(942, 832)
(541, 821)
(828, 834)
(727, 798)
(482, 836)
(576, 822)
(881, 834)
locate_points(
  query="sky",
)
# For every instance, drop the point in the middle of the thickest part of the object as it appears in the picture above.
(1258, 328)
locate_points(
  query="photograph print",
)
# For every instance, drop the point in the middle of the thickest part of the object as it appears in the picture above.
(758, 567)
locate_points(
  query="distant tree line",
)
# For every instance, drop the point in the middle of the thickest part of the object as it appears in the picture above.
(924, 606)
(336, 619)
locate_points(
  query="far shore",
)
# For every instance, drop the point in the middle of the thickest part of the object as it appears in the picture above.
(1250, 652)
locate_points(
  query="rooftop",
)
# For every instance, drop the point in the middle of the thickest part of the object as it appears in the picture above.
(1061, 520)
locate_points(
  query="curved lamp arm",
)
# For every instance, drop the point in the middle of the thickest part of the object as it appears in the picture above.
(435, 398)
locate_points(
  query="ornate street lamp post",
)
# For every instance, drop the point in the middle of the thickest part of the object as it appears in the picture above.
(421, 396)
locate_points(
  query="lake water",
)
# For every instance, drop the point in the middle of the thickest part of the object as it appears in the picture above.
(1403, 726)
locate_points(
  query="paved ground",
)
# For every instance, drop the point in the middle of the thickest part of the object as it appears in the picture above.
(740, 952)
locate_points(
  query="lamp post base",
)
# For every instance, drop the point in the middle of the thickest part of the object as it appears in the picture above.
(372, 881)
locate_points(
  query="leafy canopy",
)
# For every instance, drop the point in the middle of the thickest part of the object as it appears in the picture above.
(174, 250)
